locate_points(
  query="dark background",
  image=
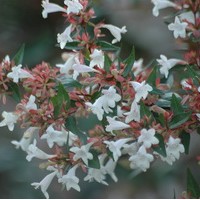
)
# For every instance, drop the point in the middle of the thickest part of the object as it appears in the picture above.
(21, 22)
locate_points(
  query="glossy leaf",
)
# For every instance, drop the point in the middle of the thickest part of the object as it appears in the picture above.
(185, 138)
(14, 88)
(160, 148)
(71, 125)
(179, 119)
(107, 63)
(94, 163)
(193, 188)
(176, 105)
(75, 45)
(144, 110)
(70, 82)
(58, 100)
(18, 58)
(152, 77)
(129, 63)
(105, 46)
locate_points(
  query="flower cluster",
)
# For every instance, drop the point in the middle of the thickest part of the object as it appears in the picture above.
(142, 117)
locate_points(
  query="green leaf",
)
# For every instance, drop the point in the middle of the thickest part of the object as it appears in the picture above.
(179, 119)
(71, 125)
(58, 100)
(18, 58)
(70, 82)
(160, 148)
(73, 46)
(107, 63)
(192, 73)
(152, 77)
(144, 110)
(163, 103)
(192, 186)
(159, 117)
(95, 96)
(94, 163)
(129, 63)
(105, 46)
(14, 88)
(185, 138)
(176, 105)
(156, 91)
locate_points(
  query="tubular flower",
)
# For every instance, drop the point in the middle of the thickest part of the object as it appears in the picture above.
(64, 37)
(73, 6)
(167, 64)
(50, 8)
(18, 73)
(115, 125)
(44, 183)
(141, 89)
(82, 153)
(161, 4)
(178, 27)
(70, 180)
(115, 31)
(9, 120)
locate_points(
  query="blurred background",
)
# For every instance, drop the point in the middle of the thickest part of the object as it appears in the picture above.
(21, 22)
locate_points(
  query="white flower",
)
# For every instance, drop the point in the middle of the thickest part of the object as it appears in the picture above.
(115, 31)
(18, 73)
(6, 60)
(169, 158)
(97, 174)
(82, 153)
(198, 116)
(141, 160)
(97, 58)
(70, 180)
(120, 111)
(130, 149)
(189, 16)
(109, 98)
(96, 108)
(73, 6)
(161, 4)
(110, 168)
(173, 150)
(50, 8)
(53, 136)
(115, 147)
(178, 27)
(199, 89)
(147, 137)
(44, 183)
(137, 66)
(115, 125)
(31, 103)
(66, 68)
(25, 140)
(174, 147)
(9, 120)
(71, 137)
(64, 37)
(167, 64)
(34, 151)
(80, 68)
(134, 113)
(23, 143)
(185, 84)
(141, 90)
